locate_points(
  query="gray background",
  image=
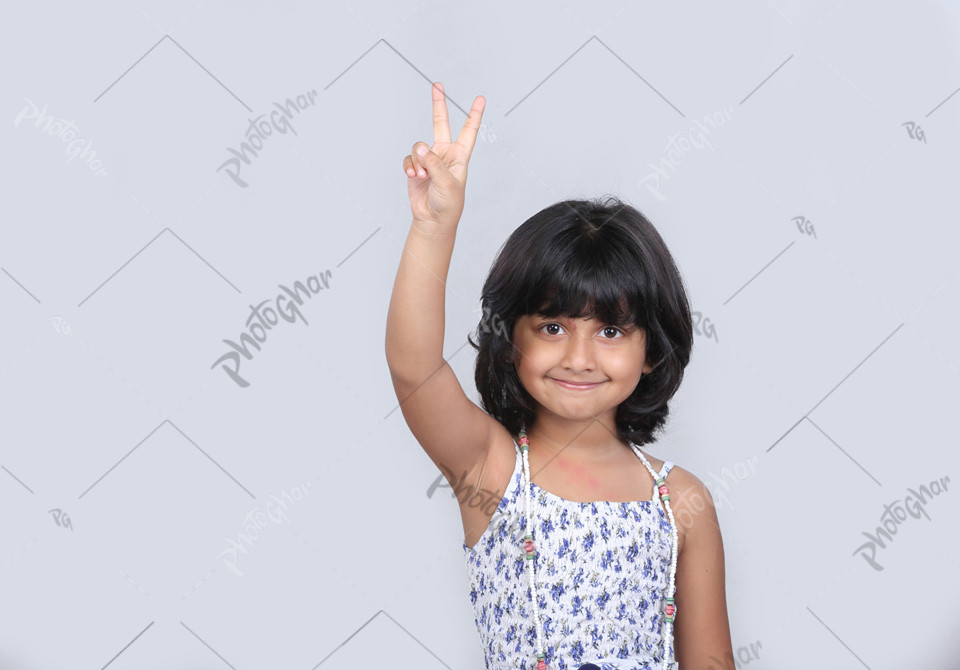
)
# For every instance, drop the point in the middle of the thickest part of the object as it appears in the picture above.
(823, 384)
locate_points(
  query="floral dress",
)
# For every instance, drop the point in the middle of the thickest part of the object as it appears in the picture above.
(601, 573)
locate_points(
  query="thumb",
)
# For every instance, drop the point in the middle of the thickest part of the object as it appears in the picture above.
(433, 164)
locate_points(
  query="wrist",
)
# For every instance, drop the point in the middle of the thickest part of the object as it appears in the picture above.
(434, 229)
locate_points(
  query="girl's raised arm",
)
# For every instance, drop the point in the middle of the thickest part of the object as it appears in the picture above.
(453, 430)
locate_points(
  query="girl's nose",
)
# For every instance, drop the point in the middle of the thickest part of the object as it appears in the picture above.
(579, 354)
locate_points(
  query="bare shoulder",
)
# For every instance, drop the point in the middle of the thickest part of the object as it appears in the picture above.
(692, 504)
(687, 491)
(678, 479)
(684, 479)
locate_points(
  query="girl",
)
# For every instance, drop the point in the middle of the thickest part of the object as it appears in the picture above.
(610, 558)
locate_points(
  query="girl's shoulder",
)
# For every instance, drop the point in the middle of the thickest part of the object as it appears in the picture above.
(683, 482)
(685, 487)
(690, 500)
(675, 473)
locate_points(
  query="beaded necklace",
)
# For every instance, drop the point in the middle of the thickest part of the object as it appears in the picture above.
(670, 609)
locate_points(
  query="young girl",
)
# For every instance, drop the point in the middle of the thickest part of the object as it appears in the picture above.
(598, 555)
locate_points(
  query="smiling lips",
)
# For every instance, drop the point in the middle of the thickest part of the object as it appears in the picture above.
(577, 386)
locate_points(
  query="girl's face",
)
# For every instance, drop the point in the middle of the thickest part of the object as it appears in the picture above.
(578, 369)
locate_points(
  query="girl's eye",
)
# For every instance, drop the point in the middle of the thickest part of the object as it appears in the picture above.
(608, 330)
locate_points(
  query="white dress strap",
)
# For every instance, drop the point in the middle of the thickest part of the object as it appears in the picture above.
(664, 471)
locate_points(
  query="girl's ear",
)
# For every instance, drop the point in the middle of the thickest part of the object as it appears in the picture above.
(648, 366)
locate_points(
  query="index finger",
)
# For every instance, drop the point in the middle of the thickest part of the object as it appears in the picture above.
(468, 135)
(441, 124)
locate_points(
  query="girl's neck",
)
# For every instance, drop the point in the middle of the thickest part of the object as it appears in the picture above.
(590, 440)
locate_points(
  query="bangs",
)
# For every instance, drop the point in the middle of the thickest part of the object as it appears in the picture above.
(586, 280)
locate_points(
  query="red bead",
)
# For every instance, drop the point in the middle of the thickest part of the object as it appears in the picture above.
(524, 440)
(528, 545)
(541, 665)
(670, 609)
(663, 489)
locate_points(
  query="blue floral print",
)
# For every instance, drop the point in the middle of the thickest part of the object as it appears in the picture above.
(601, 568)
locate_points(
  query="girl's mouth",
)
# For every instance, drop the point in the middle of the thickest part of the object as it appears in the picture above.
(577, 386)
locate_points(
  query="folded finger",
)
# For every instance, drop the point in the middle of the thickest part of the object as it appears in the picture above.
(417, 162)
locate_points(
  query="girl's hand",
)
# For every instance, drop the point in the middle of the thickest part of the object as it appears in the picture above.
(436, 196)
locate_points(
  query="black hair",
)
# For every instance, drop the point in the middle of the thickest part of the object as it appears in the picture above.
(598, 258)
